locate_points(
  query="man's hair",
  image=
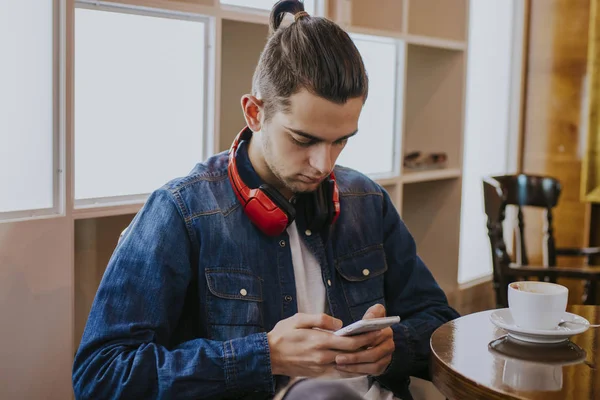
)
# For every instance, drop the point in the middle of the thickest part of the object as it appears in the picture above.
(311, 53)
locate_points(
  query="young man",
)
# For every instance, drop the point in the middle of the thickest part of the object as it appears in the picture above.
(215, 288)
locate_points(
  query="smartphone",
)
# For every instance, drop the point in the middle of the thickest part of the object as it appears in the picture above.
(367, 325)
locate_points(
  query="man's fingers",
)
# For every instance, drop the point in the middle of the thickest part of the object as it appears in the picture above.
(374, 369)
(386, 334)
(324, 357)
(353, 343)
(368, 356)
(376, 311)
(321, 321)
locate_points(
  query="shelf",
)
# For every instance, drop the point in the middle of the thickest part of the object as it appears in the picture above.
(248, 15)
(106, 211)
(416, 40)
(391, 181)
(434, 103)
(374, 32)
(426, 41)
(432, 175)
(200, 2)
(442, 19)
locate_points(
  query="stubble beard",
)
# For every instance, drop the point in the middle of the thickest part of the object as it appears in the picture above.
(276, 169)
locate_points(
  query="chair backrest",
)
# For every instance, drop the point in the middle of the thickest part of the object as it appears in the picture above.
(534, 191)
(495, 206)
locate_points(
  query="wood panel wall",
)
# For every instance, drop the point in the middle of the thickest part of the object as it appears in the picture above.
(553, 114)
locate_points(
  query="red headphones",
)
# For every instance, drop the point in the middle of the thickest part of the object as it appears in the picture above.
(268, 209)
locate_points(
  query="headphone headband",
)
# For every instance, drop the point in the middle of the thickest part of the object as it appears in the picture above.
(268, 209)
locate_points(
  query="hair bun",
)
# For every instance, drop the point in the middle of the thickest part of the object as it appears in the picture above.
(282, 7)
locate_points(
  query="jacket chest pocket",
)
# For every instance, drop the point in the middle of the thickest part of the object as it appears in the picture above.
(234, 303)
(362, 275)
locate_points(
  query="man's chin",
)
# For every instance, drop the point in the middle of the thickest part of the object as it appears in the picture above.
(304, 187)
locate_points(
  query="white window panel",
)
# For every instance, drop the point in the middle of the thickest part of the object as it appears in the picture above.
(492, 25)
(309, 5)
(139, 101)
(372, 150)
(26, 105)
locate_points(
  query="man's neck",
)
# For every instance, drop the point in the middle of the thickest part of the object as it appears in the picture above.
(257, 159)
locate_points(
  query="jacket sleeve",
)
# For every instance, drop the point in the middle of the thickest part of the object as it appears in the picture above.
(413, 294)
(126, 351)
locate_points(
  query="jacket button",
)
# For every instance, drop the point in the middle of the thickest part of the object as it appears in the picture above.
(282, 243)
(328, 282)
(308, 232)
(366, 272)
(288, 298)
(243, 292)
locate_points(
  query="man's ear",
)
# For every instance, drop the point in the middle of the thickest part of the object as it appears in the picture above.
(253, 110)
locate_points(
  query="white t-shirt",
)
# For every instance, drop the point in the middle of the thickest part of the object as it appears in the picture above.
(311, 298)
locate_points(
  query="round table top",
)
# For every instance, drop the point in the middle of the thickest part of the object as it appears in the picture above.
(472, 359)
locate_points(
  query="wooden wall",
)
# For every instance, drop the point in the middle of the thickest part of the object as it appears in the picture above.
(552, 125)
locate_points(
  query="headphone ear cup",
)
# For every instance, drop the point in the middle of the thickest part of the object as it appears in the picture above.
(317, 207)
(280, 201)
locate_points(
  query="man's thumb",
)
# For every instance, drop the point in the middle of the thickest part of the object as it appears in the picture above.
(376, 311)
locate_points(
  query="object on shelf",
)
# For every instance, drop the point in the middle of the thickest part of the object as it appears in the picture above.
(418, 161)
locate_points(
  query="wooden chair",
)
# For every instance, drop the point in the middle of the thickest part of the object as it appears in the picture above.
(534, 191)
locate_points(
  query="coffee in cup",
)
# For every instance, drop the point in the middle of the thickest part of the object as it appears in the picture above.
(537, 305)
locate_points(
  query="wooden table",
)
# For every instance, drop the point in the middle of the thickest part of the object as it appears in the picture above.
(472, 359)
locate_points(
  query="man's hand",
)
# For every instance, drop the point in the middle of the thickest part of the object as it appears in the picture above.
(298, 350)
(375, 359)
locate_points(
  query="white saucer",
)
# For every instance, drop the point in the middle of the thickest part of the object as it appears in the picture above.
(503, 319)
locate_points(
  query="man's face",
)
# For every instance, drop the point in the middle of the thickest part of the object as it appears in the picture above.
(301, 146)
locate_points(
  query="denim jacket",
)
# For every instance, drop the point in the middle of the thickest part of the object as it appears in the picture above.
(192, 288)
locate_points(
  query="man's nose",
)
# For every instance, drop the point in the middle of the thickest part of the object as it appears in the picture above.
(320, 158)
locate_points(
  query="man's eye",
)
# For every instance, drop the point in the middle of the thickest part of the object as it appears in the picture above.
(301, 143)
(341, 142)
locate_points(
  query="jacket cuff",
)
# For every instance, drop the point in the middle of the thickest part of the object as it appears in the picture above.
(247, 363)
(403, 358)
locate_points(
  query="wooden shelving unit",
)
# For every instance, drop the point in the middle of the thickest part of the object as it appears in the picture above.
(433, 175)
(433, 34)
(52, 265)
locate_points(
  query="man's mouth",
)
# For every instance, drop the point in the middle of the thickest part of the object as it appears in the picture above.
(308, 179)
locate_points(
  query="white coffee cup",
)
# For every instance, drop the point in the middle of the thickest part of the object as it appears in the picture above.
(537, 305)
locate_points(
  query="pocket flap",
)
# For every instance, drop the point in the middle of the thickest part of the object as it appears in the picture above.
(234, 284)
(362, 264)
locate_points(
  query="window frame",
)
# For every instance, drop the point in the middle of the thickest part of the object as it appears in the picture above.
(399, 99)
(208, 135)
(319, 8)
(59, 64)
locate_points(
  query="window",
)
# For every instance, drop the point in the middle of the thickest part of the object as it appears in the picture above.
(28, 106)
(140, 100)
(373, 150)
(309, 5)
(487, 145)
